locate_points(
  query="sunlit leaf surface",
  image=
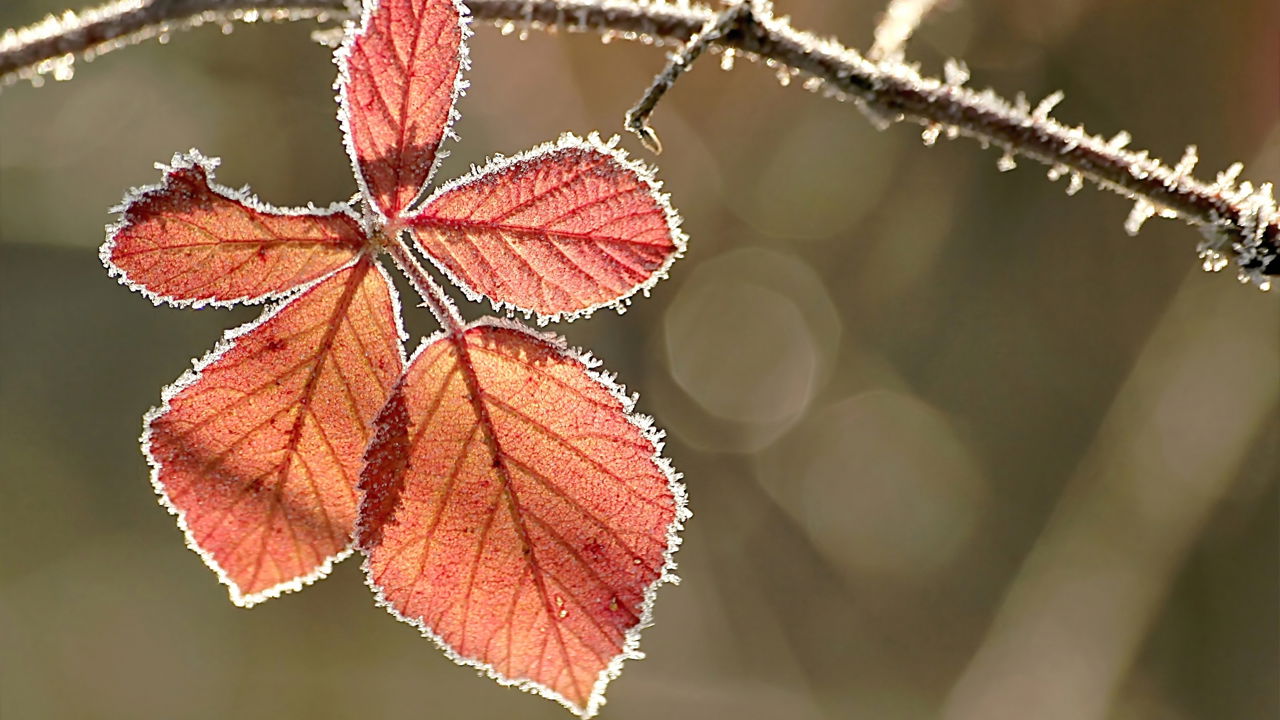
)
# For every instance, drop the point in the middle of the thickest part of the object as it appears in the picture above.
(259, 449)
(190, 241)
(515, 510)
(565, 228)
(400, 81)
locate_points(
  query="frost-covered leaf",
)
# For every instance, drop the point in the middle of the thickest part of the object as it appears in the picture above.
(258, 449)
(563, 229)
(400, 73)
(191, 241)
(516, 512)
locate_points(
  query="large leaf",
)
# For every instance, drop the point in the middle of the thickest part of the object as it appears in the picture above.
(517, 513)
(400, 73)
(258, 449)
(563, 229)
(189, 241)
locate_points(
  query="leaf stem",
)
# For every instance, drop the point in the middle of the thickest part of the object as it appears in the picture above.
(429, 290)
(1240, 221)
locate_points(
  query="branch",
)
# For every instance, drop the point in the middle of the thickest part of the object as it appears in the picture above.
(51, 46)
(1241, 223)
(637, 118)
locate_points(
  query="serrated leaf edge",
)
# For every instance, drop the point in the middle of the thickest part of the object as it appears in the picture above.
(460, 85)
(193, 158)
(592, 142)
(193, 375)
(631, 639)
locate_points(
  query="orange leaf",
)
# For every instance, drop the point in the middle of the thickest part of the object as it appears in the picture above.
(563, 229)
(400, 73)
(517, 513)
(258, 449)
(189, 241)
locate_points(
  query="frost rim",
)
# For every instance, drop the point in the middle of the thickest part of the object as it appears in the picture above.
(194, 159)
(568, 141)
(193, 375)
(667, 572)
(341, 58)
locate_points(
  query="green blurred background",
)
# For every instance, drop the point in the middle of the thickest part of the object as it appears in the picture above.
(956, 446)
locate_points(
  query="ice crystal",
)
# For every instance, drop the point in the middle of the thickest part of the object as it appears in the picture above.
(1047, 105)
(1187, 164)
(1142, 210)
(1119, 141)
(1226, 181)
(726, 59)
(900, 21)
(956, 72)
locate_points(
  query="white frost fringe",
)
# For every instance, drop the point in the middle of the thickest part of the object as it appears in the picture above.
(191, 377)
(341, 58)
(631, 643)
(193, 158)
(569, 141)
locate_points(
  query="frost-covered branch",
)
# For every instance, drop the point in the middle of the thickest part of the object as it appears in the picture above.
(1240, 222)
(52, 46)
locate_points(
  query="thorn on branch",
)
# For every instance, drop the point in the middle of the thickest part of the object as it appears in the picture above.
(737, 17)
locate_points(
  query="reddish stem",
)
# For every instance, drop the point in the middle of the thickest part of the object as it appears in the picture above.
(433, 296)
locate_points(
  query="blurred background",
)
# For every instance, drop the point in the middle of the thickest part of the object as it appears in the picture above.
(956, 446)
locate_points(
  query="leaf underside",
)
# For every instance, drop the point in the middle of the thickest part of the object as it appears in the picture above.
(567, 228)
(259, 451)
(188, 241)
(515, 511)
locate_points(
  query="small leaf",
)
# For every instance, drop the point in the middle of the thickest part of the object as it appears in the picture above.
(563, 229)
(191, 241)
(400, 73)
(517, 513)
(258, 449)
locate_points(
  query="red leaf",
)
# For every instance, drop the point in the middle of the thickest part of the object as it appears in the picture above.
(258, 450)
(517, 513)
(399, 76)
(191, 241)
(563, 229)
